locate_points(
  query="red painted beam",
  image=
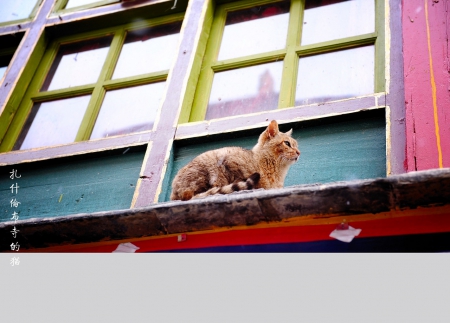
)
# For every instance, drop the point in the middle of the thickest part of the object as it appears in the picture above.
(418, 224)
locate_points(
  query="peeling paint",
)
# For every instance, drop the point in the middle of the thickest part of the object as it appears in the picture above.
(309, 203)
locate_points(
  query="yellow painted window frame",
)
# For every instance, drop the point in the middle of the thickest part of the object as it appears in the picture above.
(290, 54)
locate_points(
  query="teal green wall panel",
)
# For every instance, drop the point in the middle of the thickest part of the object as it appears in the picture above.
(62, 187)
(332, 149)
(342, 151)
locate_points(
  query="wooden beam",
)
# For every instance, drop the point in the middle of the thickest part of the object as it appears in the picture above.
(261, 119)
(76, 148)
(395, 97)
(150, 182)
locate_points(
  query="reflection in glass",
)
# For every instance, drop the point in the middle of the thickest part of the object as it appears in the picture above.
(77, 3)
(336, 75)
(16, 9)
(148, 50)
(3, 70)
(53, 123)
(245, 90)
(255, 30)
(77, 64)
(4, 62)
(334, 19)
(128, 110)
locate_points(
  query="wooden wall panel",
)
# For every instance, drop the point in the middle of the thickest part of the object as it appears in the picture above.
(332, 150)
(426, 28)
(81, 185)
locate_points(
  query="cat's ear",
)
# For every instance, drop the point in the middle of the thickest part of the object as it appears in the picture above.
(272, 129)
(289, 133)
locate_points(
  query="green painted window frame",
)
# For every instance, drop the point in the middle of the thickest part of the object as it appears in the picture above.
(30, 17)
(96, 90)
(60, 6)
(290, 54)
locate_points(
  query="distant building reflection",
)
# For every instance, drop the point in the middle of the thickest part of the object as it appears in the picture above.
(265, 99)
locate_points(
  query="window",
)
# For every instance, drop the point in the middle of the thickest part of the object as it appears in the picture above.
(97, 86)
(263, 56)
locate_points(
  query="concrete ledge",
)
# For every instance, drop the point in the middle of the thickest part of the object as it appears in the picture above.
(408, 191)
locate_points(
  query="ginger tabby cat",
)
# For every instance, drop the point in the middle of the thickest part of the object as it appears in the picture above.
(230, 169)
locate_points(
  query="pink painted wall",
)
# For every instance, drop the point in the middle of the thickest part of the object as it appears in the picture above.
(427, 84)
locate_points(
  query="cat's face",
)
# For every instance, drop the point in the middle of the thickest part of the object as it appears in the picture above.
(281, 145)
(286, 147)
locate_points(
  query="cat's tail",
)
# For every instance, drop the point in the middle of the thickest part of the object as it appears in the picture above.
(248, 184)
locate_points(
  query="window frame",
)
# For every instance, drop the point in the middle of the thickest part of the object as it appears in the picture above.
(97, 90)
(290, 55)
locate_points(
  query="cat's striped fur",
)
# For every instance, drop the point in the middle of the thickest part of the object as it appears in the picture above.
(231, 169)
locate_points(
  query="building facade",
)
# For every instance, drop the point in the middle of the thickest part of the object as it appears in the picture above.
(102, 102)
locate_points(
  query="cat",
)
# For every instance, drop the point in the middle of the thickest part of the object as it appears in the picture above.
(230, 169)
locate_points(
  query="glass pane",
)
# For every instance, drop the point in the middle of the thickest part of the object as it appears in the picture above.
(3, 70)
(148, 50)
(4, 62)
(128, 110)
(53, 123)
(335, 76)
(255, 30)
(77, 3)
(333, 19)
(16, 9)
(245, 90)
(77, 64)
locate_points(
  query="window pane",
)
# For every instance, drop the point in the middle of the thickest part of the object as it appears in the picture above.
(3, 70)
(77, 3)
(77, 64)
(128, 110)
(148, 50)
(53, 123)
(16, 9)
(336, 75)
(245, 90)
(4, 62)
(255, 30)
(333, 19)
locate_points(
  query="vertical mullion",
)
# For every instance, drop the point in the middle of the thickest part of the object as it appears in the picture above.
(60, 4)
(157, 157)
(380, 68)
(395, 93)
(197, 66)
(290, 64)
(206, 77)
(99, 92)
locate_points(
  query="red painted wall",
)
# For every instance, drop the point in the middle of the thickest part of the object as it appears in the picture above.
(426, 30)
